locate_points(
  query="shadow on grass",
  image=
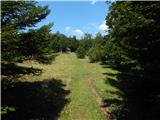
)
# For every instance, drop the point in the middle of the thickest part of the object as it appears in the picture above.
(46, 59)
(11, 69)
(129, 108)
(141, 96)
(41, 100)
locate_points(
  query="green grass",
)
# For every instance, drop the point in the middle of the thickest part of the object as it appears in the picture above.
(74, 73)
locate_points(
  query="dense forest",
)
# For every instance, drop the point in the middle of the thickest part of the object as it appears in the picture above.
(131, 46)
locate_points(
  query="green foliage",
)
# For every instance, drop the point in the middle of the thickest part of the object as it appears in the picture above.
(84, 45)
(98, 40)
(36, 43)
(133, 33)
(96, 54)
(16, 16)
(132, 44)
(80, 52)
(73, 43)
(113, 53)
(86, 42)
(93, 47)
(60, 42)
(22, 14)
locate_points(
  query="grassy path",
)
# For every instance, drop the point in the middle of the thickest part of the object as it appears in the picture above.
(78, 75)
(82, 104)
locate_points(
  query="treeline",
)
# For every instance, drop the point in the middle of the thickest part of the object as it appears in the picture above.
(133, 46)
(93, 47)
(62, 43)
(20, 39)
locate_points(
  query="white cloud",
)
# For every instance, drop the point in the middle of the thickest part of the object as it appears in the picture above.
(78, 32)
(93, 2)
(67, 28)
(103, 26)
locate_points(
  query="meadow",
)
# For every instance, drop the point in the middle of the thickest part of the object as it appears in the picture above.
(74, 89)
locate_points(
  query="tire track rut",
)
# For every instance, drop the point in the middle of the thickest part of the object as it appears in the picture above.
(97, 97)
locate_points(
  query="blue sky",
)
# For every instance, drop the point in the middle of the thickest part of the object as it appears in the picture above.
(76, 17)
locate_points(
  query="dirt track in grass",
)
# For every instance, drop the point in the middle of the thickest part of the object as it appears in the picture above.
(85, 82)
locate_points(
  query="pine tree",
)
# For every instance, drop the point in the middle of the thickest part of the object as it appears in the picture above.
(16, 16)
